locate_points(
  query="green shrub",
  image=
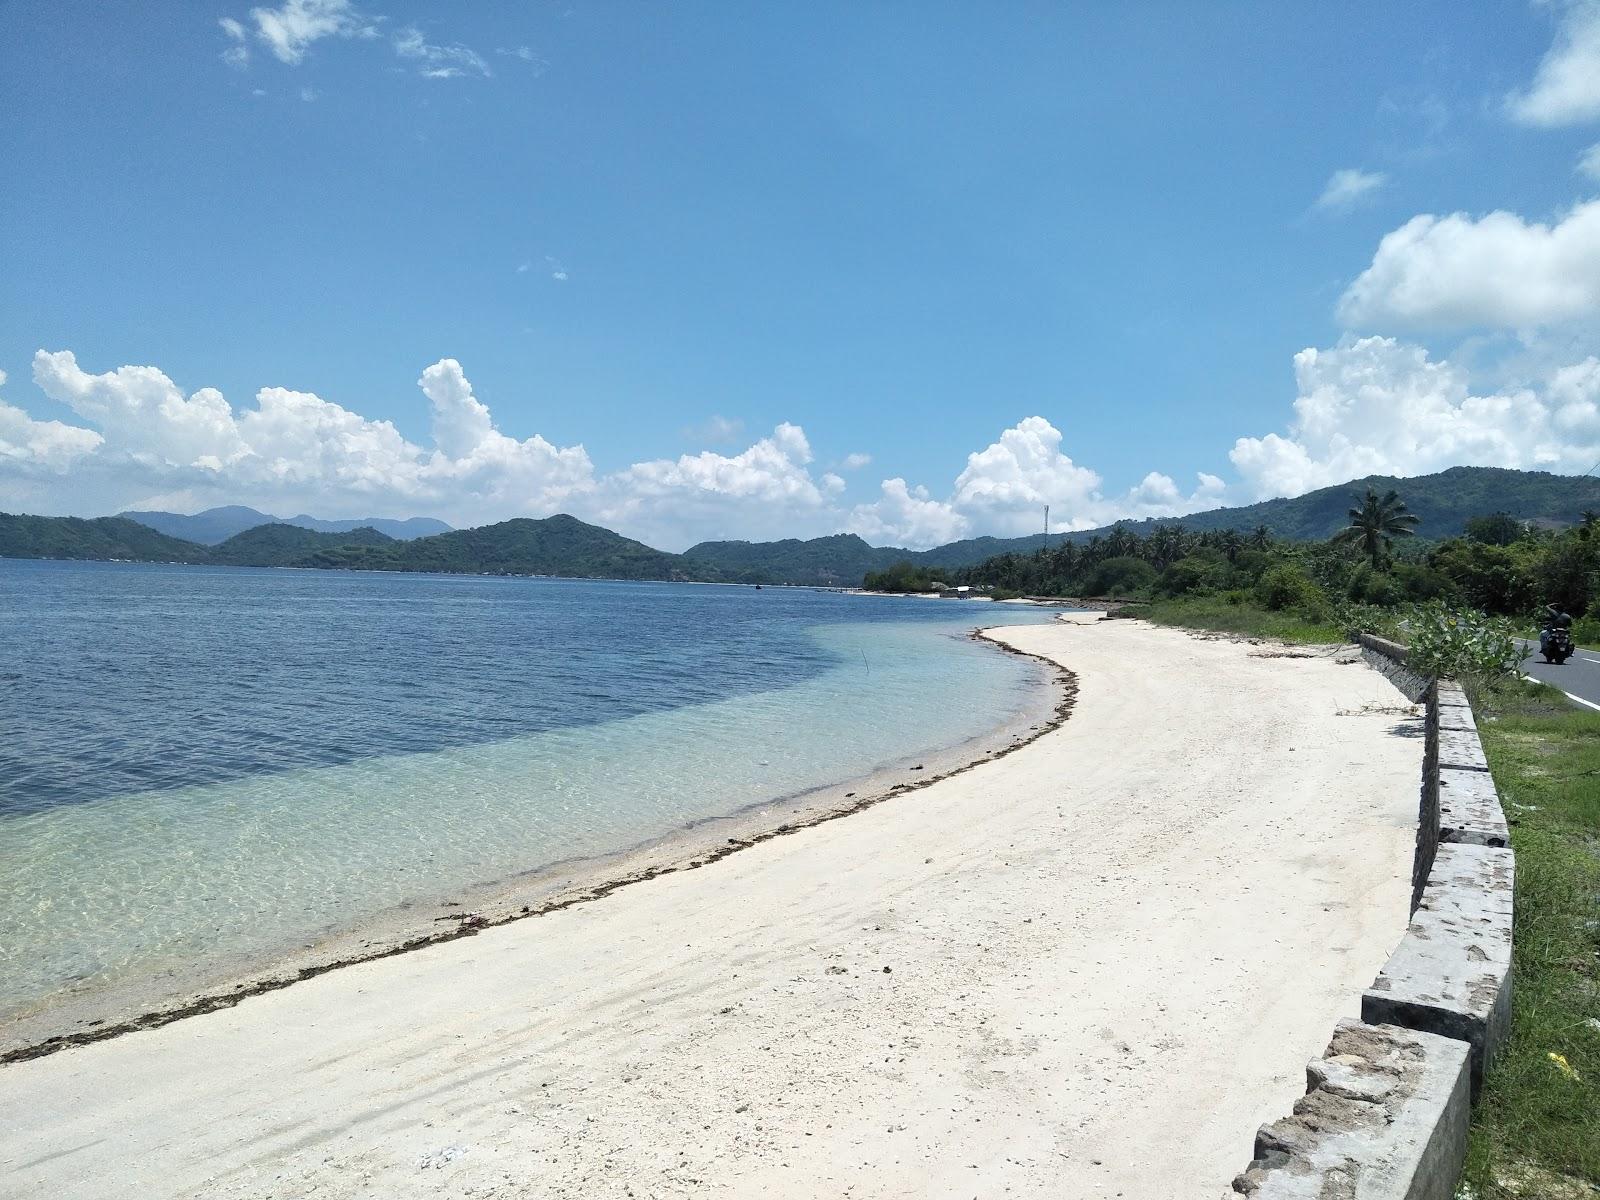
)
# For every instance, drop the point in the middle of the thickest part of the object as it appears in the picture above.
(1461, 643)
(1192, 573)
(1286, 588)
(1121, 577)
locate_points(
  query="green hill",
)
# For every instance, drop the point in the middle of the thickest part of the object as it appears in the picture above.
(91, 538)
(558, 545)
(1443, 501)
(289, 545)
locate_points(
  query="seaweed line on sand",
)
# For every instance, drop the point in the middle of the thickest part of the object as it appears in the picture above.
(468, 924)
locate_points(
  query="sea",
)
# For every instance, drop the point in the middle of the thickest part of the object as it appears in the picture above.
(199, 764)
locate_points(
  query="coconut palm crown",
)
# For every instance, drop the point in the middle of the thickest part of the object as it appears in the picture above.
(1375, 522)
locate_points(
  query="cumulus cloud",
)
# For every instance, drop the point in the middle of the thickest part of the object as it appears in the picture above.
(854, 462)
(764, 492)
(1566, 87)
(1499, 271)
(293, 449)
(1380, 406)
(1345, 188)
(907, 516)
(50, 445)
(1005, 487)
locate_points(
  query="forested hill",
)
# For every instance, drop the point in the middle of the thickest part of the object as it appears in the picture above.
(559, 545)
(564, 545)
(108, 538)
(1443, 502)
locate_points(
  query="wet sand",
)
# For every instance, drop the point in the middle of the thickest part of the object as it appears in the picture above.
(1090, 967)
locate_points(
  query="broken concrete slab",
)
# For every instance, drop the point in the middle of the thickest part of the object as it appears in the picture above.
(1461, 749)
(1451, 973)
(1469, 808)
(1384, 1117)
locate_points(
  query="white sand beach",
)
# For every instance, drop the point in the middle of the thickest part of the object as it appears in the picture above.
(1088, 969)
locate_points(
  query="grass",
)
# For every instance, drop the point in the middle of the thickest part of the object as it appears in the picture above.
(1536, 1130)
(1223, 615)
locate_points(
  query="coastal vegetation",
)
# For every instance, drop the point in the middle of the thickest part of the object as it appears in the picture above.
(1536, 1129)
(1471, 594)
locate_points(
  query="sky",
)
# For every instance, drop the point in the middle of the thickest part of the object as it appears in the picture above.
(701, 270)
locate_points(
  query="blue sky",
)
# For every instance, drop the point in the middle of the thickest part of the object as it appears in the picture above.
(680, 268)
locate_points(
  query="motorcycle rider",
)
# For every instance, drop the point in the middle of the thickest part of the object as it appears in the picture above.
(1554, 618)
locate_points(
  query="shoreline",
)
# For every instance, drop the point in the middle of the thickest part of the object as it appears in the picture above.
(112, 1011)
(1094, 968)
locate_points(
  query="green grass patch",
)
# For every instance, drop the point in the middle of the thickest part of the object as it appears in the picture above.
(1536, 1130)
(1223, 615)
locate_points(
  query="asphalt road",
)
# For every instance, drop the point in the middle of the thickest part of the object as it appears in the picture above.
(1578, 677)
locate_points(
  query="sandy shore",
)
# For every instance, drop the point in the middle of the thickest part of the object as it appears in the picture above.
(1087, 969)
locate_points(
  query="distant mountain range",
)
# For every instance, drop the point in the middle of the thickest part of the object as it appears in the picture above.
(564, 545)
(217, 525)
(1443, 501)
(559, 545)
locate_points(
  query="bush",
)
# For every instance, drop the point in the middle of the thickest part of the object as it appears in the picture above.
(1368, 586)
(1461, 643)
(1288, 588)
(1193, 573)
(1352, 618)
(1121, 577)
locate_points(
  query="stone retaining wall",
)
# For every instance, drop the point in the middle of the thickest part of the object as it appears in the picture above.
(1386, 1108)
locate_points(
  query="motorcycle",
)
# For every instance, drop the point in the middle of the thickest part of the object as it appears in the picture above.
(1555, 644)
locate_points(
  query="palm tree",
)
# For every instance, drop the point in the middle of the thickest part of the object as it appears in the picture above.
(1261, 538)
(1376, 522)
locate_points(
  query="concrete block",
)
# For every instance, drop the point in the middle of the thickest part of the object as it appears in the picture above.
(1384, 1117)
(1451, 973)
(1469, 808)
(1457, 716)
(1452, 695)
(1460, 748)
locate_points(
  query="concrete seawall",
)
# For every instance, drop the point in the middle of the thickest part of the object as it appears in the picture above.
(1386, 1109)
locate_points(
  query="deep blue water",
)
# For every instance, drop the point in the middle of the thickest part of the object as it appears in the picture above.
(118, 678)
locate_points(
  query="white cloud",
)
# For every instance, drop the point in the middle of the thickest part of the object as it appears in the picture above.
(904, 516)
(1589, 162)
(293, 449)
(764, 492)
(1004, 488)
(309, 94)
(854, 462)
(51, 445)
(237, 54)
(1348, 186)
(289, 30)
(439, 62)
(1379, 406)
(1566, 86)
(1498, 271)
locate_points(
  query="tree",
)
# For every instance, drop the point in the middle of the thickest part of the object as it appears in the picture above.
(1375, 522)
(1496, 529)
(1260, 538)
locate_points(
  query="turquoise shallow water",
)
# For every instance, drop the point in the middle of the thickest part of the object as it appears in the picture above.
(204, 763)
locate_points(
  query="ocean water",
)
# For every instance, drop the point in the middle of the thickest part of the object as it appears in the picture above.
(201, 763)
